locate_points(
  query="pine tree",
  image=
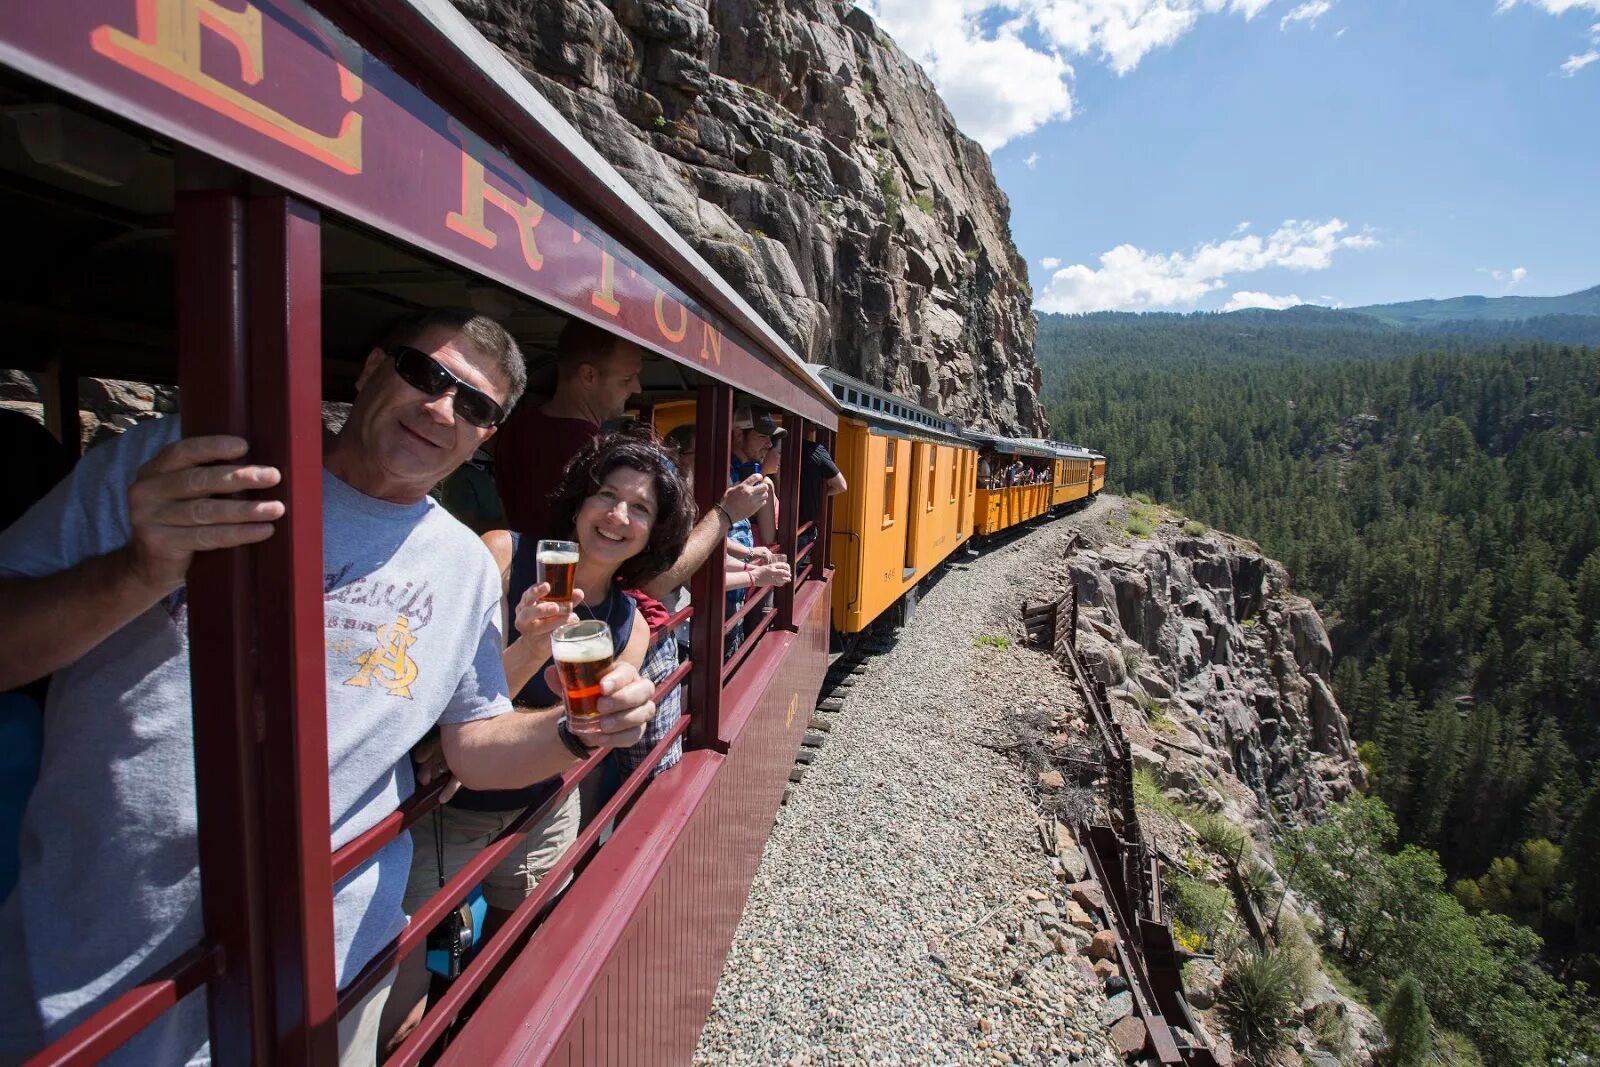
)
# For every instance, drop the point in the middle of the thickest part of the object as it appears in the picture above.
(1580, 865)
(1407, 1023)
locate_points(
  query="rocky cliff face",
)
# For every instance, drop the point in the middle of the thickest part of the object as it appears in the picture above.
(1201, 641)
(812, 164)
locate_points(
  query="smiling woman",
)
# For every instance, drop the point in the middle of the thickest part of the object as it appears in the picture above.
(629, 513)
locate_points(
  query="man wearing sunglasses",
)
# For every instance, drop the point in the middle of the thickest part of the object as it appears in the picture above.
(93, 579)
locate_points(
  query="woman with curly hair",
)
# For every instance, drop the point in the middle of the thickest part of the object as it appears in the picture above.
(630, 513)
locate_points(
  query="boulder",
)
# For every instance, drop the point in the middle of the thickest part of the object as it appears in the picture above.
(1088, 895)
(1129, 1036)
(1117, 1008)
(1103, 946)
(807, 127)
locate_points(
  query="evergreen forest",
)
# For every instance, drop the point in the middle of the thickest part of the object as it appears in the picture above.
(1438, 498)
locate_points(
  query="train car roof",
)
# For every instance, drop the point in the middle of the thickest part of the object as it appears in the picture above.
(1015, 446)
(883, 409)
(1061, 449)
(441, 145)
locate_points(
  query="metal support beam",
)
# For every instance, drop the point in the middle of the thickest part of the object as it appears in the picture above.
(789, 475)
(285, 313)
(707, 589)
(214, 386)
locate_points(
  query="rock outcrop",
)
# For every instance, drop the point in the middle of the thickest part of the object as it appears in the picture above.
(811, 162)
(1201, 638)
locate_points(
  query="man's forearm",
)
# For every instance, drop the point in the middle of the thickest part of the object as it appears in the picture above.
(53, 621)
(706, 538)
(509, 751)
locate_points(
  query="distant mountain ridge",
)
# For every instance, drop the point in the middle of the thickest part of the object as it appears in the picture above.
(1413, 313)
(1373, 331)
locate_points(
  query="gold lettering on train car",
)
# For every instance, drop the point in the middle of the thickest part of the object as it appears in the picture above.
(794, 706)
(605, 297)
(476, 192)
(166, 48)
(673, 335)
(710, 344)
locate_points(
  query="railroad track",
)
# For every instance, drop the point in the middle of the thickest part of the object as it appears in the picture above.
(1120, 861)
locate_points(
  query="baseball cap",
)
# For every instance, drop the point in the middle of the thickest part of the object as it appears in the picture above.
(745, 419)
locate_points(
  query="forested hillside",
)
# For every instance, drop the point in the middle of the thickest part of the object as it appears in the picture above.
(1443, 509)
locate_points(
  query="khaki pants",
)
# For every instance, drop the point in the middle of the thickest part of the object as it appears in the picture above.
(358, 1030)
(466, 833)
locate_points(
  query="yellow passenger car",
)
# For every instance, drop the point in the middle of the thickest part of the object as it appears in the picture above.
(1074, 475)
(1017, 479)
(909, 504)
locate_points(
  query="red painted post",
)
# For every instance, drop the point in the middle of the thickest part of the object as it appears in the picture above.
(825, 520)
(214, 388)
(707, 588)
(789, 513)
(285, 309)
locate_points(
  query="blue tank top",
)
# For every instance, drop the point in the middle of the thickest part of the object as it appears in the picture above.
(618, 611)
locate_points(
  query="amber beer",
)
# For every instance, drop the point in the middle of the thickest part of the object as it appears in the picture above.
(583, 653)
(557, 563)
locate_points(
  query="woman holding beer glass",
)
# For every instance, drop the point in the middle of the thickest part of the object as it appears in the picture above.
(628, 514)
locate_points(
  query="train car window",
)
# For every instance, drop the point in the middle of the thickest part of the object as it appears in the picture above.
(933, 471)
(888, 481)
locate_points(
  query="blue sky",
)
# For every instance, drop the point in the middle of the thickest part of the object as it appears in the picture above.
(1206, 154)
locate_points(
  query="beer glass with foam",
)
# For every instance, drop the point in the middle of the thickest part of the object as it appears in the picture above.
(557, 563)
(583, 653)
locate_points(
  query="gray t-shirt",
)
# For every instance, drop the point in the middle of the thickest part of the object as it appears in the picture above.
(110, 883)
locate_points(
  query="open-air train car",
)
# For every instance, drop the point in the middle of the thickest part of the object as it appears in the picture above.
(1002, 501)
(231, 198)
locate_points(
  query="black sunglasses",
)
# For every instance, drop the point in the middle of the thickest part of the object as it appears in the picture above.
(427, 375)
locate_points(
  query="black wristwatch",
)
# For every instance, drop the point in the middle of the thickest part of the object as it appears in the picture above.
(570, 739)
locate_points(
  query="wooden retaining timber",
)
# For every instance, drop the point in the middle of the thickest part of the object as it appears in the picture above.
(1127, 869)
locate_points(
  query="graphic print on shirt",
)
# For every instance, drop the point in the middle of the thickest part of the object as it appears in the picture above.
(391, 658)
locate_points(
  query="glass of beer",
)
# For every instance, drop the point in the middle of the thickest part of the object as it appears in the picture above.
(557, 563)
(583, 653)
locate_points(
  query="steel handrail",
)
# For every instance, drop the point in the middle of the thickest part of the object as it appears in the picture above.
(430, 913)
(444, 901)
(113, 1025)
(749, 606)
(370, 842)
(554, 880)
(359, 849)
(747, 644)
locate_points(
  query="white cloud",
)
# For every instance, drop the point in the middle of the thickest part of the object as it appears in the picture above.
(1578, 62)
(1310, 12)
(1241, 228)
(1131, 279)
(1554, 7)
(1247, 299)
(1003, 66)
(1049, 263)
(1509, 278)
(1031, 160)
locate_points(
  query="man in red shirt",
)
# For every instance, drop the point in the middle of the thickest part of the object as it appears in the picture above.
(596, 373)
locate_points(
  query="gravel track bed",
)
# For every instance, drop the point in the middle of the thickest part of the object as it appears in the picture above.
(891, 921)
